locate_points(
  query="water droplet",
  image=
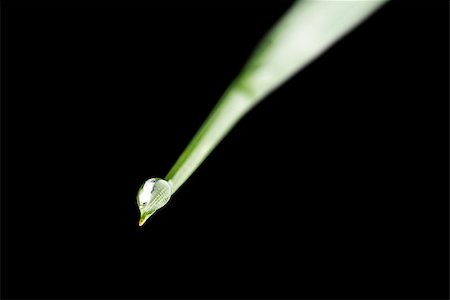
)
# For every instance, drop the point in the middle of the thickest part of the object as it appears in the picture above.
(152, 195)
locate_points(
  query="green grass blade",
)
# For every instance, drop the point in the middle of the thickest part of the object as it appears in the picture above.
(307, 30)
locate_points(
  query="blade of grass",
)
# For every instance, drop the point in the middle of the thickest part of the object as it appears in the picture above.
(307, 30)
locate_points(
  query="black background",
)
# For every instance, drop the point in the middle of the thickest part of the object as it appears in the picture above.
(335, 186)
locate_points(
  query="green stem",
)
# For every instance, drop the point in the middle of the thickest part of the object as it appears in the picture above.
(307, 30)
(234, 104)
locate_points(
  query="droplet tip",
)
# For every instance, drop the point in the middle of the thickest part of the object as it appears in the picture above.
(142, 221)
